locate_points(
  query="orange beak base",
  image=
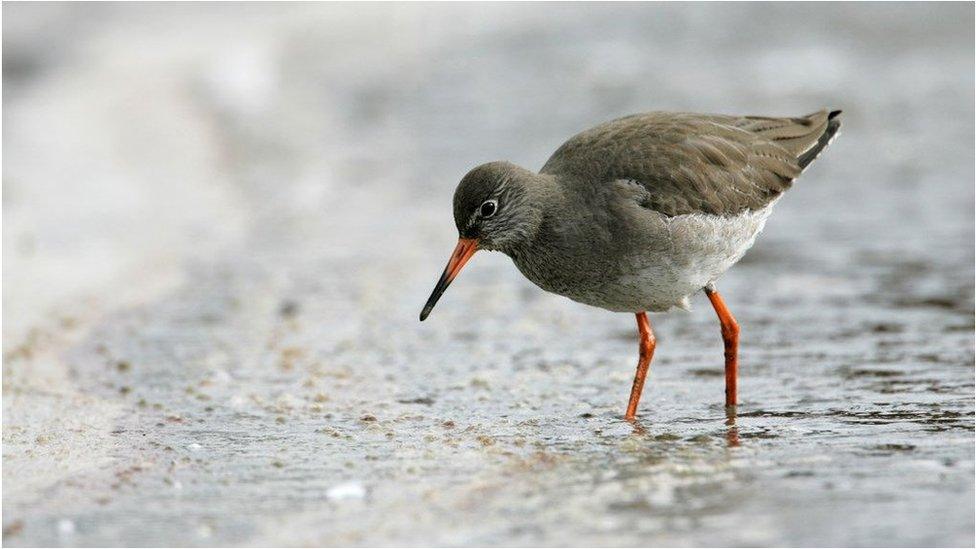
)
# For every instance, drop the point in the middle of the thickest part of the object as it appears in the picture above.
(466, 247)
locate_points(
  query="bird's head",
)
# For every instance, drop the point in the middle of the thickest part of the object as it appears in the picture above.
(495, 208)
(492, 204)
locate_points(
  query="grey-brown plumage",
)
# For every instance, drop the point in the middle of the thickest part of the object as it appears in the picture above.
(694, 163)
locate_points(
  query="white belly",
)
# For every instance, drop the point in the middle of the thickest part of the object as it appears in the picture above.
(700, 248)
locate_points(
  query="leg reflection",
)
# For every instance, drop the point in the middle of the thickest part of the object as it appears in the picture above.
(732, 433)
(637, 426)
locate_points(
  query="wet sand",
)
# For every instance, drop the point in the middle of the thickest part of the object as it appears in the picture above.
(220, 226)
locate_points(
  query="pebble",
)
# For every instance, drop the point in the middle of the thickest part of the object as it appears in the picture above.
(346, 491)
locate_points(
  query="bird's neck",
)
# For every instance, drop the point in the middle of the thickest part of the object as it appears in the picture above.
(542, 195)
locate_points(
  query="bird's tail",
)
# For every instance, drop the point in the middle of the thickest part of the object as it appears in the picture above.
(833, 125)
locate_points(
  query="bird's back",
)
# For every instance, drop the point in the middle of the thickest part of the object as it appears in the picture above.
(697, 163)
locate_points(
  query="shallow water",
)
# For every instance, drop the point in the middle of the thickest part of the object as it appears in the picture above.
(220, 226)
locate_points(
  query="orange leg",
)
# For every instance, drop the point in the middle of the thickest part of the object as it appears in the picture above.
(647, 343)
(730, 335)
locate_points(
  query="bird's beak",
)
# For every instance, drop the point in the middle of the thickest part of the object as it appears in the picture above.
(466, 247)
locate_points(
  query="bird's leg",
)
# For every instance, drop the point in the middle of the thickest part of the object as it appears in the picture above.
(730, 335)
(647, 343)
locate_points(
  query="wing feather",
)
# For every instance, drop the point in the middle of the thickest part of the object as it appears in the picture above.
(692, 163)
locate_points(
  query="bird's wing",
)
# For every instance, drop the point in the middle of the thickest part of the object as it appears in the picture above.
(694, 163)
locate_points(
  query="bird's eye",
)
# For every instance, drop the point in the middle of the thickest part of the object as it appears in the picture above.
(488, 208)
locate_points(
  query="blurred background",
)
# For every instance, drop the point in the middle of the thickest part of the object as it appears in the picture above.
(220, 222)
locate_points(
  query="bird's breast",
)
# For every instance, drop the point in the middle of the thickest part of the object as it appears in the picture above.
(645, 262)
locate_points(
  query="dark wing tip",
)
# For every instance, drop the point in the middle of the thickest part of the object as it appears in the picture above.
(833, 125)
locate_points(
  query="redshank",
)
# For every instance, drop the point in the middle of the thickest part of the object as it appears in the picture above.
(638, 213)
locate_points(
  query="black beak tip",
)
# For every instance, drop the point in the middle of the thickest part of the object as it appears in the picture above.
(425, 313)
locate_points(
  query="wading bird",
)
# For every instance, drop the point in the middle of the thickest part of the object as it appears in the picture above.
(637, 214)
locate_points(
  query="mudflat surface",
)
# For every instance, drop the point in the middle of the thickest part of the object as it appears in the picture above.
(220, 223)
